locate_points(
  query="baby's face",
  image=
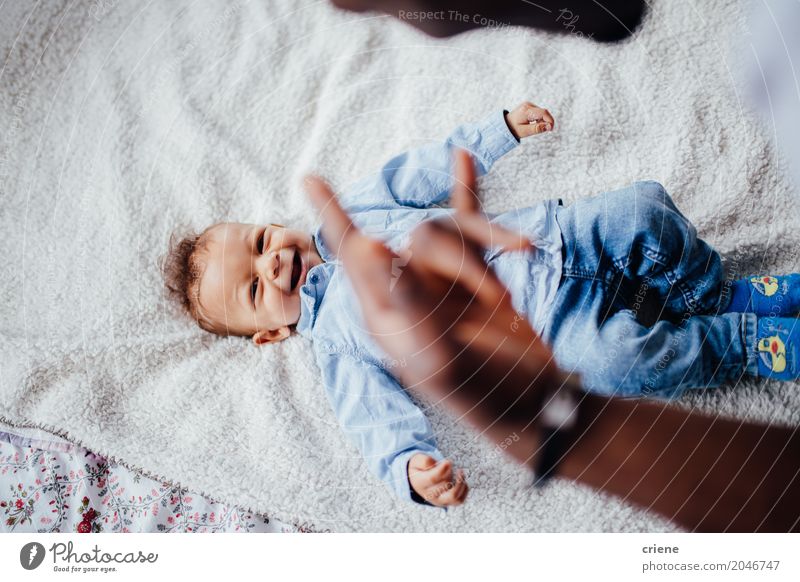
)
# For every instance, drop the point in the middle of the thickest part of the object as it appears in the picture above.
(253, 276)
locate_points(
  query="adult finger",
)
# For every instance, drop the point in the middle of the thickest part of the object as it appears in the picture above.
(438, 250)
(464, 194)
(464, 198)
(336, 223)
(477, 229)
(367, 262)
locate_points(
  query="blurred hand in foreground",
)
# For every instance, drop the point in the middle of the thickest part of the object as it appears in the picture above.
(447, 315)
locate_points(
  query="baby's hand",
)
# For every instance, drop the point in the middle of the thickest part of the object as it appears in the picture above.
(434, 482)
(528, 119)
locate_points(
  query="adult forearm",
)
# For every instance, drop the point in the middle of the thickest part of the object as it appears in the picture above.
(704, 473)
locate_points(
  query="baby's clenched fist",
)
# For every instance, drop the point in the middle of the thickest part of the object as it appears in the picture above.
(528, 119)
(434, 481)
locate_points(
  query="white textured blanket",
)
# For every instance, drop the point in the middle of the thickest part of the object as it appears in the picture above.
(121, 120)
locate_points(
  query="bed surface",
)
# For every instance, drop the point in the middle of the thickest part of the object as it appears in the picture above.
(120, 121)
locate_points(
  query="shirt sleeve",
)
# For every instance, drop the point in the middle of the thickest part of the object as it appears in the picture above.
(422, 177)
(378, 417)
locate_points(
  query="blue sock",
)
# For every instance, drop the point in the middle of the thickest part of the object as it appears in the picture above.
(766, 295)
(778, 347)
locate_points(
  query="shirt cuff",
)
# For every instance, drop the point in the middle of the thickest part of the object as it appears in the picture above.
(505, 112)
(496, 138)
(400, 475)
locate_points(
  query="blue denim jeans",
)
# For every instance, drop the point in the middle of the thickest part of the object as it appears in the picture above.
(638, 308)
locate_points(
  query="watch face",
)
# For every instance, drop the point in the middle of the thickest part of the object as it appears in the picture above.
(560, 411)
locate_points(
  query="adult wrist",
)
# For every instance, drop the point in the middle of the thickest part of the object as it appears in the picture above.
(557, 423)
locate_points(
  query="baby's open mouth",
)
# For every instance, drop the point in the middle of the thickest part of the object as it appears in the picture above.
(297, 268)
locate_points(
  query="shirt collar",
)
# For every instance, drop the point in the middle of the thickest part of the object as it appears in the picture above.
(322, 249)
(313, 290)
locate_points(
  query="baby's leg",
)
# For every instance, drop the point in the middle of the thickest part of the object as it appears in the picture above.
(644, 250)
(627, 247)
(615, 354)
(702, 351)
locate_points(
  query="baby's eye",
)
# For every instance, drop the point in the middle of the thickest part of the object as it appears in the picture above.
(253, 290)
(260, 242)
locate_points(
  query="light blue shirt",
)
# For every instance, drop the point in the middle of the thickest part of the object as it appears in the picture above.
(373, 409)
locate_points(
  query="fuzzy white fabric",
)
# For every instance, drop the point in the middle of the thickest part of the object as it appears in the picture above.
(123, 120)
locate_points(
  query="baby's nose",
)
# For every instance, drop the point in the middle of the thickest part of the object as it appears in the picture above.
(268, 266)
(274, 265)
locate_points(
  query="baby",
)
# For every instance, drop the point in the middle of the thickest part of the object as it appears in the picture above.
(601, 269)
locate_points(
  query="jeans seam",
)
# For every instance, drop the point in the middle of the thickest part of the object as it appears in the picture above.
(688, 296)
(693, 305)
(654, 255)
(589, 275)
(749, 331)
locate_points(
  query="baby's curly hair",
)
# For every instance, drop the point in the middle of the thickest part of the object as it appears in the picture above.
(182, 267)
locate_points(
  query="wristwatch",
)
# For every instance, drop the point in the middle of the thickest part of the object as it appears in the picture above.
(557, 418)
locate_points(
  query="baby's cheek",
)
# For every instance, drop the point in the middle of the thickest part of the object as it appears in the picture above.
(288, 309)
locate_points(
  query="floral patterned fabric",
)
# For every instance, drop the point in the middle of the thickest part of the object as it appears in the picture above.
(49, 485)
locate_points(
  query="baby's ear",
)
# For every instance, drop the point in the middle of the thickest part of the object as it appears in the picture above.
(269, 336)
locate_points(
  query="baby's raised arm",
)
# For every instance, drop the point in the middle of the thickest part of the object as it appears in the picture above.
(422, 177)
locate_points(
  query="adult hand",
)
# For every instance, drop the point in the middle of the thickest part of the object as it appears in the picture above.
(447, 315)
(609, 21)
